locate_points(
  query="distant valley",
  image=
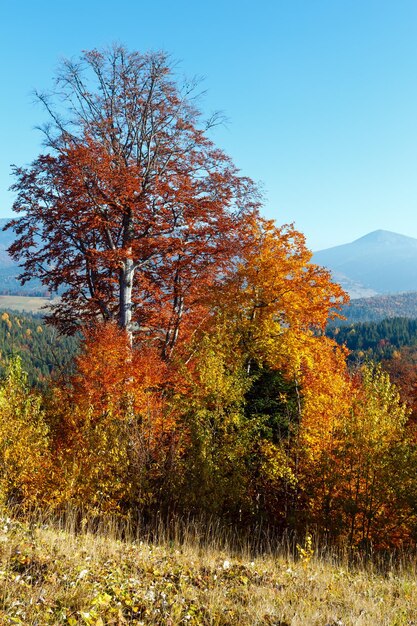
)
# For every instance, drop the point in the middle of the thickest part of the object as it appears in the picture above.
(380, 307)
(379, 272)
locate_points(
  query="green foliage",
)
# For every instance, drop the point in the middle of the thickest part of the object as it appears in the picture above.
(223, 435)
(258, 419)
(376, 340)
(273, 399)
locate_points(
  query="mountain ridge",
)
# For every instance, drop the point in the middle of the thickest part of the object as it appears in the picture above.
(380, 262)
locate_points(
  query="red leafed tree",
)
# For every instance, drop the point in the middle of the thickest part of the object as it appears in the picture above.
(132, 212)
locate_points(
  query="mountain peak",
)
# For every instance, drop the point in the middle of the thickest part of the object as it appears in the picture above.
(384, 237)
(379, 262)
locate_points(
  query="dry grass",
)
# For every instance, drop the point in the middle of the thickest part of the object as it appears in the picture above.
(29, 304)
(52, 575)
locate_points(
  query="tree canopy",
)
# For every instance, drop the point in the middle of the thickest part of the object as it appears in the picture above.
(132, 211)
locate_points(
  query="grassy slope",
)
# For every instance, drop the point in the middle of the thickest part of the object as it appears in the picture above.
(50, 576)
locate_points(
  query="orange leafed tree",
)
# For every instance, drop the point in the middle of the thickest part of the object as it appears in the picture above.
(113, 431)
(328, 395)
(377, 456)
(133, 211)
(276, 299)
(357, 457)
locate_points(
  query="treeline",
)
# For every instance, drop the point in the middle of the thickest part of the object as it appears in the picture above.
(378, 308)
(376, 340)
(392, 343)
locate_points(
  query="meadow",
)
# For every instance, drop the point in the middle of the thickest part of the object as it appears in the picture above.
(59, 573)
(28, 304)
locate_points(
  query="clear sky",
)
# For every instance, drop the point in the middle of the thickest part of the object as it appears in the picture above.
(321, 95)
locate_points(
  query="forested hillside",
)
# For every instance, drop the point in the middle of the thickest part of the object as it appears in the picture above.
(376, 340)
(42, 350)
(391, 342)
(378, 308)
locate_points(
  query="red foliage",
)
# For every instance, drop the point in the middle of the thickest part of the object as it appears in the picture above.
(134, 212)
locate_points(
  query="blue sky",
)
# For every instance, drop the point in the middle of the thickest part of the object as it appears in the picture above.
(320, 95)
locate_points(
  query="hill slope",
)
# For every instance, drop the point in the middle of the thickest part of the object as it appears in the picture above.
(57, 577)
(377, 308)
(42, 350)
(381, 262)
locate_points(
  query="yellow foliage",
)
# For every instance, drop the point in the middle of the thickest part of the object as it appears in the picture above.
(275, 464)
(306, 552)
(328, 392)
(25, 459)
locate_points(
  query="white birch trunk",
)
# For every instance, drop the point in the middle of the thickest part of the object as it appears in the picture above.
(125, 300)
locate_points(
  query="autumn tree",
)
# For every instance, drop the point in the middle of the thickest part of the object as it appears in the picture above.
(264, 334)
(275, 298)
(132, 211)
(402, 369)
(378, 464)
(328, 394)
(112, 433)
(218, 436)
(357, 457)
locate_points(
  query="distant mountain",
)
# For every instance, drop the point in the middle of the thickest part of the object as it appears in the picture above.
(10, 270)
(381, 262)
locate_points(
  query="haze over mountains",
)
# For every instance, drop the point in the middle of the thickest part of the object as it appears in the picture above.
(381, 262)
(9, 269)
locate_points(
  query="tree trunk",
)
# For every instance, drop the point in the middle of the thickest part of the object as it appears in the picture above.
(125, 299)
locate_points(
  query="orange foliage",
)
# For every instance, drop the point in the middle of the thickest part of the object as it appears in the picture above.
(328, 393)
(275, 297)
(155, 241)
(109, 371)
(111, 420)
(356, 457)
(134, 211)
(402, 368)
